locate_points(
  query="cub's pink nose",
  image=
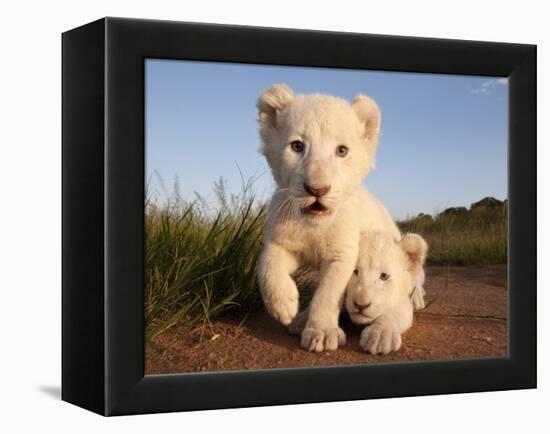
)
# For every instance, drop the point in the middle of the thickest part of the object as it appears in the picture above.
(361, 307)
(317, 192)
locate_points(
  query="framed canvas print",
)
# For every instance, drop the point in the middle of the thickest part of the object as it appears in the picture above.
(257, 216)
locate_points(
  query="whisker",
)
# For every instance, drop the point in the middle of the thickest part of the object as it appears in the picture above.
(273, 215)
(285, 212)
(290, 204)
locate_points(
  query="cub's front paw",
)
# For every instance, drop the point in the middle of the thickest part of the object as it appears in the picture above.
(283, 307)
(380, 338)
(418, 298)
(318, 340)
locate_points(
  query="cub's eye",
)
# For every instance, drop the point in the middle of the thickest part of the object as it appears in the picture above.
(384, 276)
(355, 271)
(342, 151)
(297, 146)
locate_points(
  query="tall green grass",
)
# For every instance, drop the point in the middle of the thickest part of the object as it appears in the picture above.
(199, 264)
(477, 236)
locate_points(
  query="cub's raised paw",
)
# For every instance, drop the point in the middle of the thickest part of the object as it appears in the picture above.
(318, 340)
(283, 307)
(380, 338)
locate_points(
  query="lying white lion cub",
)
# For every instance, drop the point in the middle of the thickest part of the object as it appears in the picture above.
(380, 291)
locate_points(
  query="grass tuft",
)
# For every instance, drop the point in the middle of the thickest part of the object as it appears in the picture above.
(198, 265)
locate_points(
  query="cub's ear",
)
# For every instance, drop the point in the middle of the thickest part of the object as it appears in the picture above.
(369, 114)
(271, 101)
(416, 249)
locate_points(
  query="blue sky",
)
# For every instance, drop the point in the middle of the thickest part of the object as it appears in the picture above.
(443, 141)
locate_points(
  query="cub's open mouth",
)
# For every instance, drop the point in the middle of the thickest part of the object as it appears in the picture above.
(316, 209)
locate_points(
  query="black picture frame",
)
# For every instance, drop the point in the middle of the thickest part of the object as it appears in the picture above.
(103, 216)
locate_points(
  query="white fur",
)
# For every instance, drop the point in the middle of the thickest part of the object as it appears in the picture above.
(385, 302)
(329, 242)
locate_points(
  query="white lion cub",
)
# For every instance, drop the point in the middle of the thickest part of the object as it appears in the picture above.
(319, 149)
(380, 291)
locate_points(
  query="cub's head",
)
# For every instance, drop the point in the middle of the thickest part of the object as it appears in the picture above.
(385, 275)
(319, 147)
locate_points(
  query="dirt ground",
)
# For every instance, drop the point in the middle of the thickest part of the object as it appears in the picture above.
(466, 317)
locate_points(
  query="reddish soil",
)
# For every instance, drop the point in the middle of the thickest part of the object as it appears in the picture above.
(466, 317)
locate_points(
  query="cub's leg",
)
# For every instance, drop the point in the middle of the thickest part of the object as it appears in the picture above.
(418, 298)
(278, 289)
(321, 331)
(298, 324)
(419, 292)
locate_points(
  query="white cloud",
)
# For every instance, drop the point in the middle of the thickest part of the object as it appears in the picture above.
(488, 86)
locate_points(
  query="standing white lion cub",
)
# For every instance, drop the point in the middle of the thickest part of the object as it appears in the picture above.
(380, 290)
(319, 149)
